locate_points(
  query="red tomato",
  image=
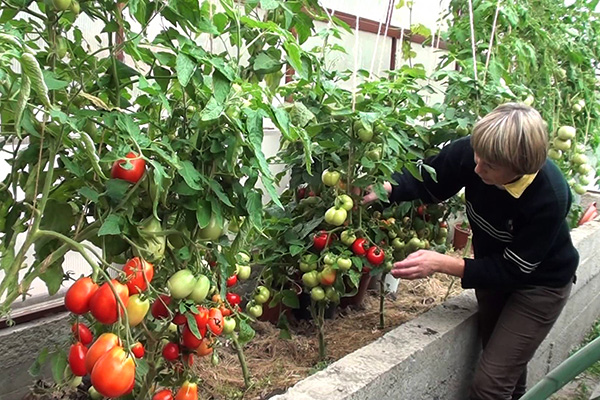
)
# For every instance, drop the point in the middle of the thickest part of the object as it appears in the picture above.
(322, 240)
(443, 224)
(138, 350)
(103, 303)
(179, 319)
(215, 321)
(375, 255)
(189, 340)
(164, 394)
(188, 391)
(171, 351)
(359, 247)
(159, 308)
(138, 272)
(232, 280)
(225, 311)
(132, 175)
(205, 347)
(82, 333)
(233, 298)
(77, 359)
(101, 346)
(77, 298)
(114, 373)
(421, 210)
(201, 317)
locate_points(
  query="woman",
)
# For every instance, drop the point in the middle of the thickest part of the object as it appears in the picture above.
(524, 265)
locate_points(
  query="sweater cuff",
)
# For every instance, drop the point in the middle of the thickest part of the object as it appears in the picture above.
(471, 273)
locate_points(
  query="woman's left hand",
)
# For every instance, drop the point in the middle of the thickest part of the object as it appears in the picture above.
(424, 263)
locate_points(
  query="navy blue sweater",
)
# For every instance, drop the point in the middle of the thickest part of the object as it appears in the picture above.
(516, 242)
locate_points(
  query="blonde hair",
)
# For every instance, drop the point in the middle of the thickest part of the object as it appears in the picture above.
(514, 136)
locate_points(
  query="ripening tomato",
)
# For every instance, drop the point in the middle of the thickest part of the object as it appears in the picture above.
(137, 308)
(77, 298)
(101, 346)
(139, 273)
(189, 340)
(215, 321)
(77, 359)
(164, 394)
(114, 373)
(103, 303)
(132, 173)
(160, 308)
(82, 333)
(171, 351)
(138, 350)
(188, 391)
(201, 317)
(205, 347)
(179, 319)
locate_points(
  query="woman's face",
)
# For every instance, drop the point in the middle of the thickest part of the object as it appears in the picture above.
(492, 174)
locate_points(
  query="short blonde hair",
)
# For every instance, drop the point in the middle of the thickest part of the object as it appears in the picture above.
(514, 136)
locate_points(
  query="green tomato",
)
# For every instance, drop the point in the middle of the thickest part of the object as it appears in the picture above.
(243, 258)
(61, 5)
(576, 108)
(329, 259)
(229, 325)
(415, 243)
(75, 381)
(388, 266)
(330, 178)
(336, 216)
(332, 295)
(348, 238)
(563, 145)
(584, 169)
(309, 262)
(374, 154)
(584, 180)
(398, 244)
(566, 132)
(243, 272)
(61, 51)
(344, 263)
(181, 284)
(172, 328)
(255, 310)
(462, 130)
(580, 148)
(317, 293)
(365, 135)
(529, 100)
(310, 279)
(262, 295)
(75, 8)
(200, 290)
(137, 309)
(344, 201)
(212, 231)
(94, 394)
(579, 159)
(579, 189)
(554, 154)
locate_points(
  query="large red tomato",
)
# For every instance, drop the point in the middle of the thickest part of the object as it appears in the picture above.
(77, 298)
(103, 303)
(215, 321)
(159, 308)
(114, 373)
(135, 270)
(190, 340)
(105, 342)
(164, 394)
(134, 173)
(77, 359)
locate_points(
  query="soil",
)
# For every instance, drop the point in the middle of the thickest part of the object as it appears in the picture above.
(277, 364)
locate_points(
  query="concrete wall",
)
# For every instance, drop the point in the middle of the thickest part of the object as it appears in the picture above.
(432, 356)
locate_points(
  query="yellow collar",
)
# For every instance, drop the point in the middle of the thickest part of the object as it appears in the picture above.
(517, 188)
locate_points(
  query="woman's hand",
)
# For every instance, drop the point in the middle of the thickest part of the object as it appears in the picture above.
(424, 263)
(371, 196)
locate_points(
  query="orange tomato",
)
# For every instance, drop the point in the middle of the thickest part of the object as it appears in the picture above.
(105, 342)
(205, 347)
(103, 303)
(188, 391)
(114, 373)
(77, 298)
(138, 273)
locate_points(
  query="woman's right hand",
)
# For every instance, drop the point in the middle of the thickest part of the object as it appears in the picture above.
(371, 196)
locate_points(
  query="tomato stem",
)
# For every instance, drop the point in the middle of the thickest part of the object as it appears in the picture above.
(242, 359)
(382, 300)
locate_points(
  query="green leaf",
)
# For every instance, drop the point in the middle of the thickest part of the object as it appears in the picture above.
(218, 190)
(53, 82)
(116, 189)
(282, 119)
(53, 276)
(380, 191)
(185, 69)
(269, 4)
(203, 213)
(254, 206)
(221, 86)
(246, 333)
(265, 64)
(296, 249)
(414, 171)
(290, 298)
(58, 361)
(57, 217)
(111, 226)
(36, 367)
(191, 176)
(212, 110)
(431, 172)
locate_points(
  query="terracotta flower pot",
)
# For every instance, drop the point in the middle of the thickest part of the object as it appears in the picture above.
(461, 236)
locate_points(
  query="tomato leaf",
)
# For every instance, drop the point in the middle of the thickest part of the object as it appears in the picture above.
(380, 191)
(53, 276)
(290, 298)
(36, 367)
(141, 370)
(116, 189)
(203, 213)
(58, 361)
(431, 172)
(218, 190)
(190, 174)
(111, 226)
(185, 69)
(221, 86)
(246, 333)
(255, 208)
(89, 194)
(212, 110)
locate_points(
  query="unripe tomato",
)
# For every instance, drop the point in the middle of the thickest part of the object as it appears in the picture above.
(332, 295)
(344, 263)
(563, 145)
(348, 238)
(317, 293)
(365, 135)
(160, 308)
(310, 279)
(243, 272)
(61, 5)
(138, 272)
(229, 325)
(131, 173)
(554, 154)
(330, 178)
(327, 276)
(101, 346)
(103, 303)
(309, 262)
(137, 309)
(164, 394)
(171, 351)
(77, 298)
(114, 373)
(336, 216)
(262, 295)
(82, 333)
(188, 391)
(566, 132)
(201, 288)
(75, 8)
(181, 284)
(344, 201)
(77, 359)
(212, 231)
(138, 350)
(94, 395)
